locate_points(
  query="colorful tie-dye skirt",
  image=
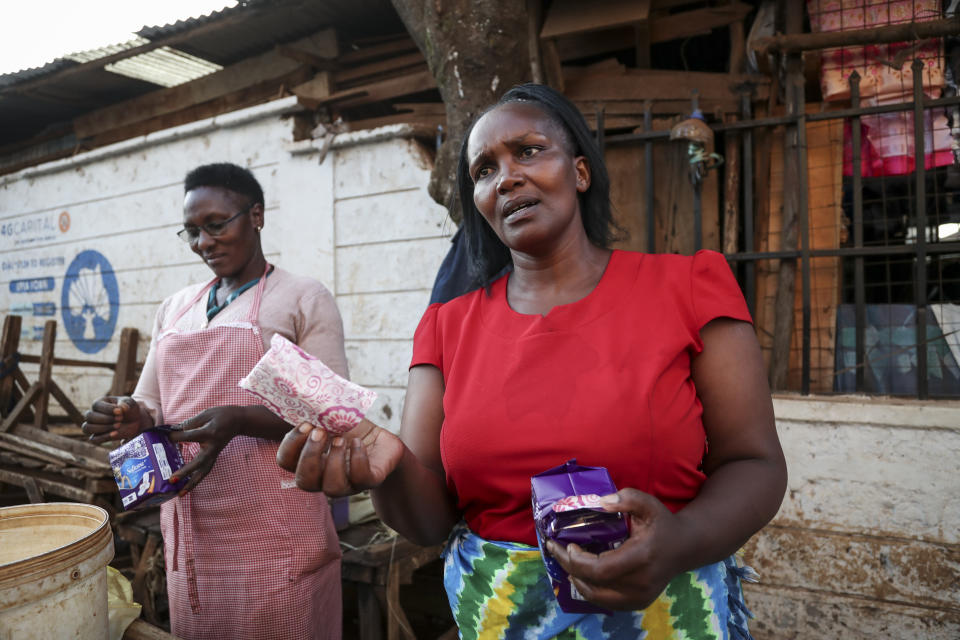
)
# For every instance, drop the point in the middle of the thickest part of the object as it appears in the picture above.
(500, 590)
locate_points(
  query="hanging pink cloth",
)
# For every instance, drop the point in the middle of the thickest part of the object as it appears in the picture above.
(886, 77)
(248, 555)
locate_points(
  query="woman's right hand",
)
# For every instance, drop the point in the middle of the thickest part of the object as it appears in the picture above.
(360, 459)
(112, 418)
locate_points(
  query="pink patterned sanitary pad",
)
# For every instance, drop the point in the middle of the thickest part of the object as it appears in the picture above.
(572, 503)
(300, 388)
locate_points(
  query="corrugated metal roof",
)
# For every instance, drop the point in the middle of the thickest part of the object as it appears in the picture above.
(165, 66)
(34, 100)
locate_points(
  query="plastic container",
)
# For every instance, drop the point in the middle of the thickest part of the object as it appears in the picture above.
(53, 579)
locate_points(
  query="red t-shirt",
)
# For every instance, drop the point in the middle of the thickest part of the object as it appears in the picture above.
(605, 380)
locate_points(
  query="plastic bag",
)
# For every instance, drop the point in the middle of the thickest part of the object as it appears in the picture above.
(121, 609)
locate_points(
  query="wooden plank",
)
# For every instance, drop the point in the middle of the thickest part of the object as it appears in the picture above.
(51, 453)
(783, 324)
(9, 342)
(126, 365)
(343, 77)
(673, 197)
(534, 21)
(907, 31)
(423, 126)
(568, 16)
(825, 213)
(662, 28)
(73, 413)
(14, 416)
(67, 362)
(731, 194)
(97, 456)
(246, 97)
(377, 91)
(403, 44)
(46, 371)
(319, 63)
(247, 72)
(687, 24)
(659, 107)
(142, 630)
(649, 84)
(34, 492)
(16, 445)
(866, 566)
(317, 88)
(20, 479)
(552, 70)
(674, 202)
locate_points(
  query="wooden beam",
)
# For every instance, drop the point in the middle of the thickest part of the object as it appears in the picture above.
(552, 70)
(402, 44)
(908, 31)
(381, 91)
(72, 412)
(661, 29)
(346, 76)
(246, 97)
(51, 454)
(317, 88)
(46, 371)
(67, 362)
(98, 457)
(731, 193)
(9, 342)
(534, 25)
(791, 217)
(34, 492)
(126, 365)
(567, 17)
(21, 478)
(14, 415)
(696, 22)
(142, 630)
(650, 84)
(317, 62)
(246, 73)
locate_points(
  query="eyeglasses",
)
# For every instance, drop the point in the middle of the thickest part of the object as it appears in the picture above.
(213, 229)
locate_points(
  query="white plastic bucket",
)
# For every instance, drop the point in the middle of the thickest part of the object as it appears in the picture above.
(53, 579)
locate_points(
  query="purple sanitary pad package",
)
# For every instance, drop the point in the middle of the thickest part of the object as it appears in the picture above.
(142, 468)
(566, 508)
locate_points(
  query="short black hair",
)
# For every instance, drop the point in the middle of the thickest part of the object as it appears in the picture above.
(227, 176)
(487, 256)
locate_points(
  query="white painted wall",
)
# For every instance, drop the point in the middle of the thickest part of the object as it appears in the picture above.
(357, 218)
(867, 541)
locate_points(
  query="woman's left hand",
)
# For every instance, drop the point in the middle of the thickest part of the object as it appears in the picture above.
(631, 576)
(213, 429)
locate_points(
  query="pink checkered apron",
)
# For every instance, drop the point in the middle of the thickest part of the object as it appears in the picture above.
(248, 555)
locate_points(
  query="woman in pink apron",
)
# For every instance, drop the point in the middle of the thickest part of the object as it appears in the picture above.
(248, 554)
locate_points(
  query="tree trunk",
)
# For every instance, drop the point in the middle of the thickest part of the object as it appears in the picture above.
(476, 51)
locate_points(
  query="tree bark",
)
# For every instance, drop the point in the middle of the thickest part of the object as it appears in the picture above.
(475, 51)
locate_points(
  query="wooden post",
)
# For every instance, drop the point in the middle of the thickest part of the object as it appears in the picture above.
(125, 370)
(794, 41)
(786, 278)
(731, 195)
(534, 19)
(9, 341)
(46, 371)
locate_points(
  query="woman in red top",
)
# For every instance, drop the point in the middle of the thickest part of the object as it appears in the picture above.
(629, 361)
